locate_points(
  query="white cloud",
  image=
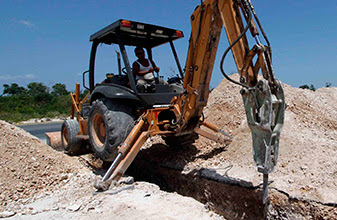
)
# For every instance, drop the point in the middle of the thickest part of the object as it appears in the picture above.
(15, 77)
(26, 23)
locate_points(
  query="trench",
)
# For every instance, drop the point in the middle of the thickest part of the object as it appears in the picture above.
(230, 198)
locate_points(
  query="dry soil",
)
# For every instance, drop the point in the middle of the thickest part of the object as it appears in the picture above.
(37, 182)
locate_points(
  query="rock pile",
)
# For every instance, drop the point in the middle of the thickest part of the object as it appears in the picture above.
(28, 166)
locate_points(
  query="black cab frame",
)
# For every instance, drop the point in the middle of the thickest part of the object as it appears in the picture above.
(131, 33)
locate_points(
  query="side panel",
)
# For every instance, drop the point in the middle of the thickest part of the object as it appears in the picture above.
(113, 92)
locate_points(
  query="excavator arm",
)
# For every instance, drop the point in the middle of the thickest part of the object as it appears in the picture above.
(263, 98)
(207, 22)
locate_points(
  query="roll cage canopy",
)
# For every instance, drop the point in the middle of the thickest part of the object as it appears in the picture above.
(131, 33)
(136, 34)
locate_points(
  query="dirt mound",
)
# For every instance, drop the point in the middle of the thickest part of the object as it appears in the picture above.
(38, 182)
(29, 167)
(307, 165)
(304, 182)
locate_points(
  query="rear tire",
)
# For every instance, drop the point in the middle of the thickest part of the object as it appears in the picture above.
(71, 143)
(109, 124)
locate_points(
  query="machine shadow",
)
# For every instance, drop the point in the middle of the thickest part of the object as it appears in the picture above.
(165, 166)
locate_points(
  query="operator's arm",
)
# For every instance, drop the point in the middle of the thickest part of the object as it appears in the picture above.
(155, 68)
(136, 70)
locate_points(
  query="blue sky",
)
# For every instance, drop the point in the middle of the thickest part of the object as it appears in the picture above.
(48, 41)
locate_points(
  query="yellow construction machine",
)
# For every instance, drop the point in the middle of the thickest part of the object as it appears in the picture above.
(117, 119)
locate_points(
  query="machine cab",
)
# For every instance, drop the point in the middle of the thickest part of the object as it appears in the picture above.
(123, 86)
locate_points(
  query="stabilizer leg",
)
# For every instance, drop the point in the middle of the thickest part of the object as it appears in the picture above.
(219, 139)
(126, 154)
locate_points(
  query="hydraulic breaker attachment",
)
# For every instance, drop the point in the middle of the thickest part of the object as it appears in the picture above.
(265, 115)
(263, 100)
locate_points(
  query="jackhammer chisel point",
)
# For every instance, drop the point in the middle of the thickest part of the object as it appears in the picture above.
(102, 185)
(265, 189)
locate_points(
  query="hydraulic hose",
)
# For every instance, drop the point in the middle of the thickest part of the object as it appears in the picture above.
(258, 22)
(230, 47)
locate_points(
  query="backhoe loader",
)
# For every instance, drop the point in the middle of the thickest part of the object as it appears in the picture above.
(117, 119)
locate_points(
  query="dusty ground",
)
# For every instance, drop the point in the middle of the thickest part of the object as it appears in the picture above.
(38, 182)
(29, 167)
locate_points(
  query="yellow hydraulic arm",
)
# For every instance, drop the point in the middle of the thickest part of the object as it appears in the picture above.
(263, 99)
(207, 22)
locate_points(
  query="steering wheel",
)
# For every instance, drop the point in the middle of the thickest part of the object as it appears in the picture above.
(125, 71)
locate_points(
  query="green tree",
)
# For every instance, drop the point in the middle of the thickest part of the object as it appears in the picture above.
(14, 89)
(83, 94)
(59, 89)
(34, 102)
(311, 87)
(35, 88)
(304, 86)
(41, 99)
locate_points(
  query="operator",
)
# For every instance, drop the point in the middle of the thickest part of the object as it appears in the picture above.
(143, 71)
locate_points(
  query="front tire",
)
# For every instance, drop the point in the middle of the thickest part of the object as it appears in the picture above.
(71, 143)
(109, 124)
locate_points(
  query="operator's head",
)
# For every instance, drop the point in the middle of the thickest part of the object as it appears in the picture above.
(139, 51)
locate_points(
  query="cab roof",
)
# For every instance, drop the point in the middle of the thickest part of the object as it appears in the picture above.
(136, 34)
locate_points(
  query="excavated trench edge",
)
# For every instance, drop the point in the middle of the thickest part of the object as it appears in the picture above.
(231, 198)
